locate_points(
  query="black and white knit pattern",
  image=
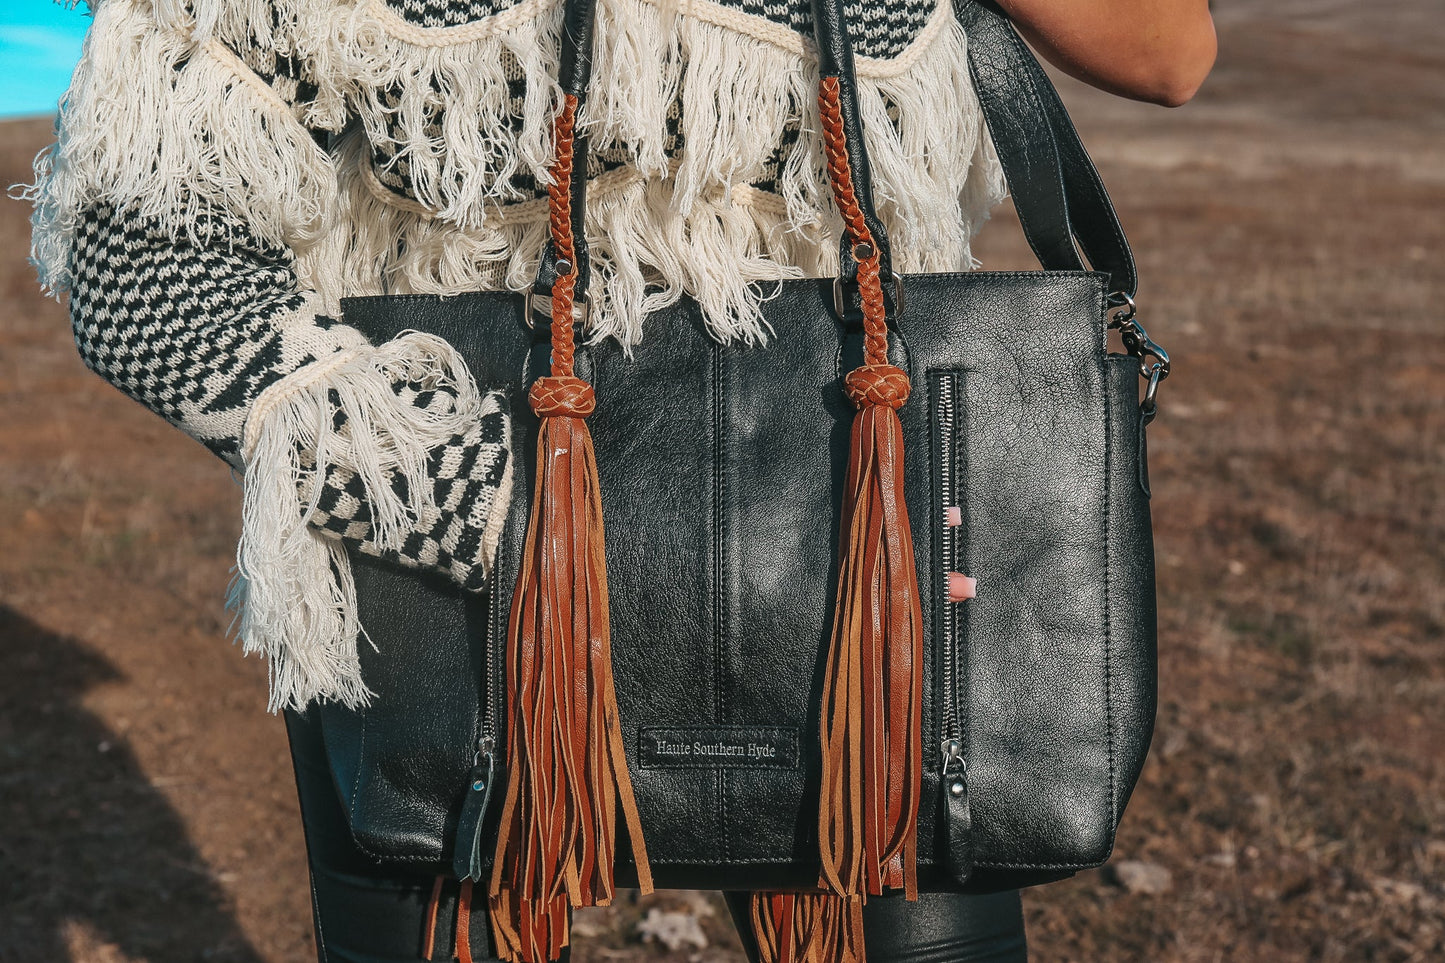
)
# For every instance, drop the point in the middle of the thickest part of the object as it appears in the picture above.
(196, 332)
(877, 29)
(447, 13)
(882, 30)
(469, 474)
(189, 330)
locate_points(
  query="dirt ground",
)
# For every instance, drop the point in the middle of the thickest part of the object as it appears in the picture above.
(1289, 225)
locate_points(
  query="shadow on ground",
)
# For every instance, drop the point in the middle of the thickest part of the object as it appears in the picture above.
(72, 797)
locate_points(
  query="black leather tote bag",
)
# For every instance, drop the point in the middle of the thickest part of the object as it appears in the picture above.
(722, 468)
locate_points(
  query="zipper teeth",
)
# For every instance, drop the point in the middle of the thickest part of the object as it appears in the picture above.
(488, 735)
(948, 470)
(719, 573)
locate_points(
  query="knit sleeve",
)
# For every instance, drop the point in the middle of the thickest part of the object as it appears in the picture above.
(171, 209)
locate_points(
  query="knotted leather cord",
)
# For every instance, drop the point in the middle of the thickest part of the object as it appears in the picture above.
(568, 772)
(887, 783)
(870, 720)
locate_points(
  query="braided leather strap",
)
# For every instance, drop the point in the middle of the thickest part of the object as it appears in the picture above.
(870, 720)
(567, 768)
(870, 282)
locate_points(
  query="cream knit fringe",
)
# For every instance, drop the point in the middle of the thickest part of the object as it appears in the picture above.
(662, 226)
(161, 115)
(213, 136)
(293, 586)
(182, 132)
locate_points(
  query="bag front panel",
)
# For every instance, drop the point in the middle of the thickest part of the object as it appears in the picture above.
(654, 435)
(720, 471)
(1018, 358)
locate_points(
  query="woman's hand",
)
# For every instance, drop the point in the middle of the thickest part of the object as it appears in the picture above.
(1154, 50)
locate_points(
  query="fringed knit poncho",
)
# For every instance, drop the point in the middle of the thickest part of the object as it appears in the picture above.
(226, 171)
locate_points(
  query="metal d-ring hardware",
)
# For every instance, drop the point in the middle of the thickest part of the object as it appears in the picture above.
(1140, 346)
(1121, 299)
(838, 307)
(1149, 407)
(542, 304)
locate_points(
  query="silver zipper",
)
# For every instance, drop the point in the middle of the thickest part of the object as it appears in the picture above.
(468, 850)
(953, 767)
(951, 742)
(495, 692)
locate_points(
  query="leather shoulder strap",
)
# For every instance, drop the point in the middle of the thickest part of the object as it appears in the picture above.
(1061, 200)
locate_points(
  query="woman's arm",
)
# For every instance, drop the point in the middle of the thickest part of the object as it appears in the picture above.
(1154, 50)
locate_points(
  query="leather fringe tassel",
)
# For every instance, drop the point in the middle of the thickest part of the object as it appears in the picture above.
(462, 932)
(871, 724)
(429, 935)
(872, 690)
(808, 928)
(871, 716)
(567, 769)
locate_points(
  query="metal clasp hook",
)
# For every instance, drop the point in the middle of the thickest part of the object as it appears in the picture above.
(1153, 359)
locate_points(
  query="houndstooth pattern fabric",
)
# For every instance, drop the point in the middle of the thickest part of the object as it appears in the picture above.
(469, 474)
(196, 332)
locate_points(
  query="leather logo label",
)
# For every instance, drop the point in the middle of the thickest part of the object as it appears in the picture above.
(712, 747)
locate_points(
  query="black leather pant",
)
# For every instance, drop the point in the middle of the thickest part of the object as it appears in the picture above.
(367, 913)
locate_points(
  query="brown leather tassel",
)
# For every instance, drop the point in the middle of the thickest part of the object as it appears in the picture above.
(808, 928)
(567, 769)
(429, 939)
(871, 720)
(462, 934)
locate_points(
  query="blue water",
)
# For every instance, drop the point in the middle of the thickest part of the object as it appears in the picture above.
(39, 45)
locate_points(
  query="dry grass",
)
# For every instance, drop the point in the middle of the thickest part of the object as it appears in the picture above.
(1289, 228)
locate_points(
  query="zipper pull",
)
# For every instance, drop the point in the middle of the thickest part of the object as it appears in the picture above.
(959, 814)
(467, 858)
